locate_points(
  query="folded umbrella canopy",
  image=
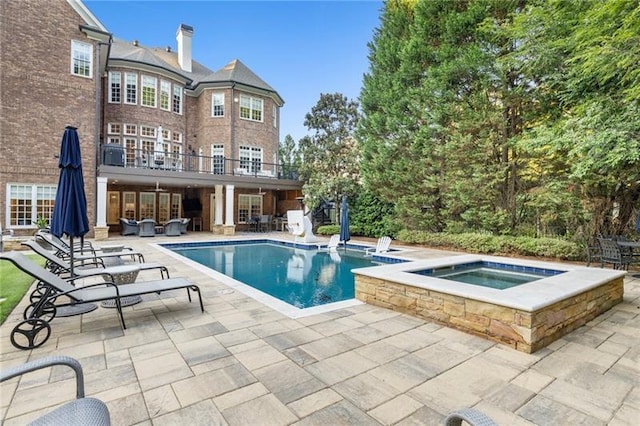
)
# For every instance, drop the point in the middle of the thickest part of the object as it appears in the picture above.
(345, 234)
(70, 208)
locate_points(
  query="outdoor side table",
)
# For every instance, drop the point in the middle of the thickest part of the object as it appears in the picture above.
(125, 274)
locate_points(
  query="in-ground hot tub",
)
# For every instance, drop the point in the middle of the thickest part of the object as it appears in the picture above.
(528, 316)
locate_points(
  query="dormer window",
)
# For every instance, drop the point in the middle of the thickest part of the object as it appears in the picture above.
(81, 58)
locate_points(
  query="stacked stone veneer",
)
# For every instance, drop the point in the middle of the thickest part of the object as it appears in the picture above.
(523, 330)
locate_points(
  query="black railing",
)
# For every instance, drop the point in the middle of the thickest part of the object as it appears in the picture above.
(116, 155)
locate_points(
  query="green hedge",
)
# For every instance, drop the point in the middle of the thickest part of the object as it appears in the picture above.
(335, 229)
(496, 244)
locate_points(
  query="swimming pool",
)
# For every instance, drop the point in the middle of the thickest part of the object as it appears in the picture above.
(299, 275)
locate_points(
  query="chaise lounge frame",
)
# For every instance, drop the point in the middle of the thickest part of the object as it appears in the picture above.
(43, 310)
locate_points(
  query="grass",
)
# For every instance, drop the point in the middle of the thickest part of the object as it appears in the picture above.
(13, 285)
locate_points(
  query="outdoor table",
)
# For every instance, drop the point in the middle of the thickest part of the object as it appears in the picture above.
(634, 249)
(124, 274)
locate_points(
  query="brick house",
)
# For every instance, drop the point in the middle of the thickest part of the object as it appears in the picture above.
(162, 136)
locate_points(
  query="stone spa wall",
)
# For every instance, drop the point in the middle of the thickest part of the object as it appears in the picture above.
(522, 330)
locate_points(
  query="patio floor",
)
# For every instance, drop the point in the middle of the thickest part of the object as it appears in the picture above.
(242, 363)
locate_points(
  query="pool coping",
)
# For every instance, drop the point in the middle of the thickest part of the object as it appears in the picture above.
(530, 297)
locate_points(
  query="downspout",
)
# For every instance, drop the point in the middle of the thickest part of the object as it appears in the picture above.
(97, 135)
(232, 124)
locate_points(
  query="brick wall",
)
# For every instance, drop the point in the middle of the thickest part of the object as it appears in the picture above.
(39, 96)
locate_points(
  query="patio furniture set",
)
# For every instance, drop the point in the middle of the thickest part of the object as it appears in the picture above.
(149, 227)
(616, 250)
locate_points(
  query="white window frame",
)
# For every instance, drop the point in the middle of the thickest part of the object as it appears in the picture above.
(274, 116)
(250, 158)
(176, 137)
(144, 212)
(165, 95)
(149, 96)
(113, 139)
(131, 129)
(115, 87)
(217, 104)
(81, 59)
(251, 108)
(176, 100)
(131, 86)
(148, 131)
(34, 192)
(217, 159)
(249, 205)
(114, 128)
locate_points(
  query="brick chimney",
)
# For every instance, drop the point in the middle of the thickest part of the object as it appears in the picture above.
(184, 36)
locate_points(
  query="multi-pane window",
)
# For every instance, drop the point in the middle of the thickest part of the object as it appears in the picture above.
(148, 131)
(165, 94)
(149, 91)
(217, 162)
(166, 134)
(251, 158)
(147, 205)
(130, 152)
(176, 205)
(131, 82)
(114, 128)
(250, 108)
(274, 116)
(249, 206)
(113, 139)
(115, 87)
(177, 100)
(129, 205)
(29, 202)
(131, 129)
(163, 207)
(217, 105)
(81, 58)
(177, 137)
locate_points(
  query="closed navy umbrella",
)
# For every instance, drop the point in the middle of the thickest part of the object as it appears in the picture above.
(345, 235)
(70, 208)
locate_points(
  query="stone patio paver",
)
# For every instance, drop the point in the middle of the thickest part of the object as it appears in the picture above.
(243, 363)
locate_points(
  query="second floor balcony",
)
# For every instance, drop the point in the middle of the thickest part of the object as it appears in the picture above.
(158, 161)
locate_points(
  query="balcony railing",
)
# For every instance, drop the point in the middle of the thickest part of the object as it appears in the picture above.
(116, 155)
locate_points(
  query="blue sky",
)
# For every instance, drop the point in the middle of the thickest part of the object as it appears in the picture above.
(301, 48)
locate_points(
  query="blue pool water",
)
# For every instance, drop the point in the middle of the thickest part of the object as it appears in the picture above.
(490, 274)
(298, 276)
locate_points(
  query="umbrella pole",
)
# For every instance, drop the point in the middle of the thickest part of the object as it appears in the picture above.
(71, 254)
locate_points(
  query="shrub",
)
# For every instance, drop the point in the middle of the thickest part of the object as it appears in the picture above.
(496, 244)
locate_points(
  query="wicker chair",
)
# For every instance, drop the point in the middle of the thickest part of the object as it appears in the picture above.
(81, 411)
(128, 227)
(184, 224)
(173, 228)
(471, 416)
(147, 228)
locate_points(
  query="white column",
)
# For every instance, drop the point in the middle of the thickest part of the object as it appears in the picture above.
(200, 160)
(219, 205)
(229, 206)
(101, 207)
